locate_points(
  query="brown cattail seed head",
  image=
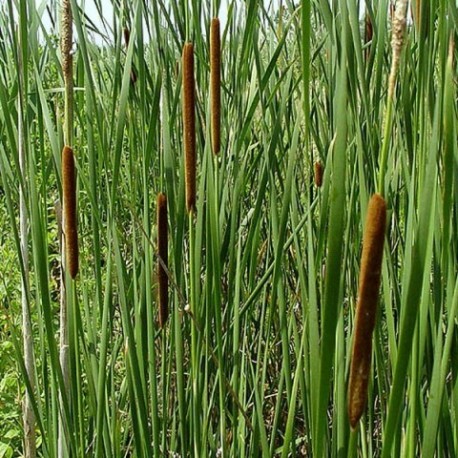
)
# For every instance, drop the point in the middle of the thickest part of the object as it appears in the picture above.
(215, 84)
(189, 125)
(162, 246)
(369, 284)
(318, 174)
(126, 32)
(66, 39)
(70, 218)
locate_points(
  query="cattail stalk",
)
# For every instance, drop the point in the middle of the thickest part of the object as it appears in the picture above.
(189, 125)
(318, 174)
(366, 310)
(68, 164)
(190, 182)
(70, 217)
(162, 263)
(67, 67)
(397, 41)
(68, 240)
(215, 84)
(29, 361)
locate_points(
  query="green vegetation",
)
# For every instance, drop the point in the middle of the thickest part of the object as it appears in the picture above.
(255, 354)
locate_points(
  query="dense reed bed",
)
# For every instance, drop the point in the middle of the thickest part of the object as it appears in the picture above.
(266, 217)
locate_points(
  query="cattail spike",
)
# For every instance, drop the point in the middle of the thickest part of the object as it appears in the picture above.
(126, 33)
(189, 124)
(399, 26)
(70, 217)
(215, 85)
(397, 41)
(162, 244)
(66, 39)
(318, 174)
(369, 284)
(392, 9)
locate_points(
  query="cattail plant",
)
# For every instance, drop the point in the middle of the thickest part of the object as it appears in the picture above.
(69, 240)
(162, 263)
(369, 284)
(68, 162)
(189, 125)
(70, 217)
(126, 33)
(67, 65)
(397, 41)
(29, 362)
(318, 174)
(215, 85)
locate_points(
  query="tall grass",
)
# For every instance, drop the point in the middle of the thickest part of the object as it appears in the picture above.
(258, 261)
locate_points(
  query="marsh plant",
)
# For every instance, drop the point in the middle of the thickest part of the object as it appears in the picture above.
(228, 228)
